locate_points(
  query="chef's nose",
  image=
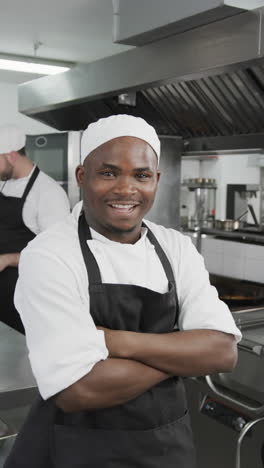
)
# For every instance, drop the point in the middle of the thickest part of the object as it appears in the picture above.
(125, 185)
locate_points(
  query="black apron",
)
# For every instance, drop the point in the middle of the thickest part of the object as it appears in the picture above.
(14, 236)
(150, 431)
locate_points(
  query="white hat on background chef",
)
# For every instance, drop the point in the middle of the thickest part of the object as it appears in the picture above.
(12, 138)
(115, 126)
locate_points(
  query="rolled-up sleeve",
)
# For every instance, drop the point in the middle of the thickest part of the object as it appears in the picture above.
(200, 305)
(62, 339)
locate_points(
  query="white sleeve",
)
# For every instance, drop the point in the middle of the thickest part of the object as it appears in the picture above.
(200, 306)
(62, 339)
(53, 206)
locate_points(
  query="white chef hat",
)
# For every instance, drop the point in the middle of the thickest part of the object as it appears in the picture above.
(12, 138)
(115, 126)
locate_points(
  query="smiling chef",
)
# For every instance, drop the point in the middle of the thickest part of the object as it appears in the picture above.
(117, 310)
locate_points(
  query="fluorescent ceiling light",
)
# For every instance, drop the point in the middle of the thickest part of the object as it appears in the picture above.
(32, 65)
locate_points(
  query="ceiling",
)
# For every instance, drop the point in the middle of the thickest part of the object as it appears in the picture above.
(69, 30)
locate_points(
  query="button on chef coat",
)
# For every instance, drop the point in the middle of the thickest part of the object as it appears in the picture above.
(53, 301)
(45, 204)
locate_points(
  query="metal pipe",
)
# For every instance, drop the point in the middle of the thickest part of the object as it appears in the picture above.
(116, 19)
(244, 431)
(261, 201)
(252, 212)
(242, 215)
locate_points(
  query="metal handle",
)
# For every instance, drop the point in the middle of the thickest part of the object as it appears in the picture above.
(241, 216)
(241, 438)
(8, 436)
(259, 411)
(252, 211)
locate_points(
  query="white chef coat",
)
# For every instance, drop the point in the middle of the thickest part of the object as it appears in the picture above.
(53, 301)
(45, 204)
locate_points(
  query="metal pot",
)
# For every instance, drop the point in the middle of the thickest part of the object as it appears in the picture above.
(228, 225)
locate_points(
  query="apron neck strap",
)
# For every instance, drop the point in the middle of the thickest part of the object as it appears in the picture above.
(84, 232)
(161, 254)
(30, 183)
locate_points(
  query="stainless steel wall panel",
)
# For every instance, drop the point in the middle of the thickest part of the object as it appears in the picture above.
(166, 209)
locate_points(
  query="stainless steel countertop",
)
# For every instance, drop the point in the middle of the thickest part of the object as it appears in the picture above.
(17, 384)
(254, 238)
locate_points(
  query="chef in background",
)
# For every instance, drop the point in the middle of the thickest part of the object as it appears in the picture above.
(30, 201)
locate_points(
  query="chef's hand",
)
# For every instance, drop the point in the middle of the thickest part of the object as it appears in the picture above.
(4, 262)
(116, 341)
(7, 260)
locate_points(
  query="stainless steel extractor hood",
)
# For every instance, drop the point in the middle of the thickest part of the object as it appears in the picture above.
(202, 85)
(143, 21)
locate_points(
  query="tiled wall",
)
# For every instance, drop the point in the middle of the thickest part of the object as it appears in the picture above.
(234, 259)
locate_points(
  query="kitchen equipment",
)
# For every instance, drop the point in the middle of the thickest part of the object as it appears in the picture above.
(57, 154)
(237, 200)
(203, 194)
(252, 211)
(243, 388)
(228, 225)
(18, 386)
(241, 300)
(236, 293)
(247, 379)
(227, 409)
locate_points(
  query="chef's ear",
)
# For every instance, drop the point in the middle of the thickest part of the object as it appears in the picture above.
(12, 157)
(79, 174)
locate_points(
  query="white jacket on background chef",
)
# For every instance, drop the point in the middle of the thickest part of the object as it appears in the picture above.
(30, 202)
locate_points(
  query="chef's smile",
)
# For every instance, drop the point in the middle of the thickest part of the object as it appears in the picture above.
(123, 208)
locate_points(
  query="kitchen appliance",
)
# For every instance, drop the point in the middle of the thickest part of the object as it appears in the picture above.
(57, 154)
(227, 409)
(238, 397)
(230, 225)
(18, 387)
(238, 293)
(203, 200)
(238, 200)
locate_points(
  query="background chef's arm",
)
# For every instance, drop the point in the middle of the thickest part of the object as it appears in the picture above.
(185, 353)
(111, 382)
(9, 260)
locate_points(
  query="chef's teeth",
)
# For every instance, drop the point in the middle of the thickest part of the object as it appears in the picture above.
(123, 206)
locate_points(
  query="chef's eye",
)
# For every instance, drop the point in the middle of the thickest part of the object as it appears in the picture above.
(107, 173)
(143, 175)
